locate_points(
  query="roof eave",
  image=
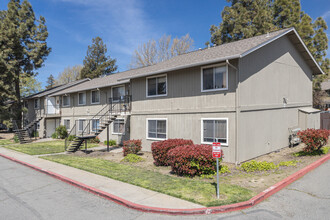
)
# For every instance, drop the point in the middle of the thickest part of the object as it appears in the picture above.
(183, 67)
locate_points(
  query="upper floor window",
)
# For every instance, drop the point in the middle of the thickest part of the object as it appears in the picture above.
(118, 93)
(215, 130)
(95, 96)
(66, 101)
(214, 78)
(157, 86)
(37, 103)
(81, 98)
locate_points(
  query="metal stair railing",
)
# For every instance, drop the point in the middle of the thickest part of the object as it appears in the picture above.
(72, 132)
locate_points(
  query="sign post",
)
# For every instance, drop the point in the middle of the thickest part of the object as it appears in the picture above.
(216, 153)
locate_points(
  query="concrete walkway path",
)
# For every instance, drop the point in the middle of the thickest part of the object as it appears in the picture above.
(126, 191)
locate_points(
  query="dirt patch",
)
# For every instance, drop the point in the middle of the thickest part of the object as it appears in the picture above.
(6, 135)
(255, 181)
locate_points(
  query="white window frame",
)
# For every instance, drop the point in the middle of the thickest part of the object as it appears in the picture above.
(38, 125)
(67, 119)
(214, 66)
(63, 101)
(147, 128)
(38, 103)
(213, 119)
(151, 77)
(94, 103)
(117, 87)
(81, 119)
(98, 127)
(113, 126)
(85, 98)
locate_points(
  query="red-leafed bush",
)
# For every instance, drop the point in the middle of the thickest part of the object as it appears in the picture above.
(192, 160)
(314, 139)
(132, 147)
(160, 149)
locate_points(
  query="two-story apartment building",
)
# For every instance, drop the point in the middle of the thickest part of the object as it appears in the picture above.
(245, 95)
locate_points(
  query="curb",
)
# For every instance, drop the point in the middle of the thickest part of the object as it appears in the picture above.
(197, 211)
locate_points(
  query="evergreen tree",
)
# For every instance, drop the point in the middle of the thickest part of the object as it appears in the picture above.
(23, 49)
(50, 82)
(96, 63)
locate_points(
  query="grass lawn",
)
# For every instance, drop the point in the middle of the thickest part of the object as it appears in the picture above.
(5, 141)
(193, 190)
(48, 147)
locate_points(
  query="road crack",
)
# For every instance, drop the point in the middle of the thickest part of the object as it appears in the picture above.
(308, 193)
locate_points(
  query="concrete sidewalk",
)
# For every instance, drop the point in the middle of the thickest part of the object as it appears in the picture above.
(125, 191)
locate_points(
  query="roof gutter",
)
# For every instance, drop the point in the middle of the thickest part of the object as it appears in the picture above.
(184, 67)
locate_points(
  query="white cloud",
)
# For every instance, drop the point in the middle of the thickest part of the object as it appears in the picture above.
(122, 24)
(326, 15)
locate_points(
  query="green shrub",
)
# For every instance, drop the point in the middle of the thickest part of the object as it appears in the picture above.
(61, 132)
(224, 169)
(290, 163)
(71, 137)
(35, 134)
(55, 135)
(132, 158)
(253, 166)
(132, 147)
(16, 140)
(111, 143)
(325, 150)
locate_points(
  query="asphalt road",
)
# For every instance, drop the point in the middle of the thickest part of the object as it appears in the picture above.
(28, 194)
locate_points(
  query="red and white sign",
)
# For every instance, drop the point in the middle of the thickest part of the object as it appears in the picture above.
(216, 150)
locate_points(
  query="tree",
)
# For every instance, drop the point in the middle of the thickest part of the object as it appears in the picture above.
(153, 51)
(69, 74)
(23, 49)
(243, 19)
(50, 82)
(29, 85)
(96, 63)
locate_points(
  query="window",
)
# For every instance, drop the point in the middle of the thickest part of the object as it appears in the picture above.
(37, 103)
(81, 98)
(118, 126)
(66, 101)
(215, 130)
(156, 129)
(214, 78)
(81, 124)
(156, 86)
(38, 125)
(95, 96)
(95, 124)
(118, 93)
(67, 123)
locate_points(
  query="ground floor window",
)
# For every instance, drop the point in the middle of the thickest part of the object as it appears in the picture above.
(118, 126)
(157, 129)
(95, 124)
(38, 125)
(81, 124)
(215, 130)
(67, 123)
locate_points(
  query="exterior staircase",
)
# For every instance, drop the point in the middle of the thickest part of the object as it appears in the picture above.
(24, 133)
(104, 117)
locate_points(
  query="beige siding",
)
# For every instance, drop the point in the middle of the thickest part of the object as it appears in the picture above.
(268, 75)
(187, 126)
(183, 95)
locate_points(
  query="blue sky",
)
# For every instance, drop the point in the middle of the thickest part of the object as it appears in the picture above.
(125, 24)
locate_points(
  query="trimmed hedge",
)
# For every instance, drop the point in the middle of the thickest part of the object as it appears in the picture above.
(314, 139)
(160, 149)
(192, 160)
(132, 147)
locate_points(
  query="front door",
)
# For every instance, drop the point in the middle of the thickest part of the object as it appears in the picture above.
(51, 103)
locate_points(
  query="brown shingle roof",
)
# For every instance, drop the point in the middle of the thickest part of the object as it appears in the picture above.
(219, 53)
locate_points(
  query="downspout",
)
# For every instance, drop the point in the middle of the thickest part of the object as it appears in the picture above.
(236, 111)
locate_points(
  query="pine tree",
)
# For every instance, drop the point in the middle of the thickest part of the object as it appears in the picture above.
(50, 82)
(23, 49)
(96, 63)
